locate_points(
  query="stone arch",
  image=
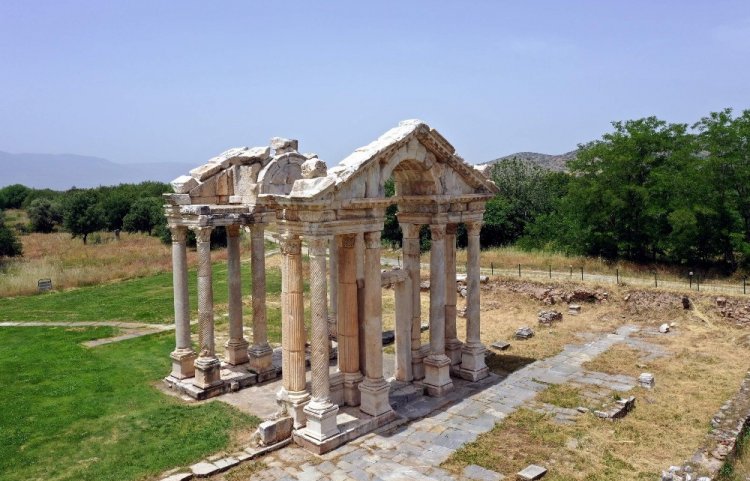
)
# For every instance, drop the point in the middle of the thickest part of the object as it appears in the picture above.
(278, 176)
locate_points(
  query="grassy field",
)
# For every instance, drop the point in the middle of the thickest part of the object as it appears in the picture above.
(72, 413)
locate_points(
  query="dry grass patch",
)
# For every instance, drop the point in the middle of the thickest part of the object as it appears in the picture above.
(705, 366)
(562, 395)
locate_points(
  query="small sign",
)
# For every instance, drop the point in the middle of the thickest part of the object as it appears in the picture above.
(44, 285)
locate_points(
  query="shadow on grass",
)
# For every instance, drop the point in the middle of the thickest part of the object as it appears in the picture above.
(504, 364)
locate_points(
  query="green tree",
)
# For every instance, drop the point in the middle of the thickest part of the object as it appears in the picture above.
(44, 215)
(12, 196)
(10, 246)
(82, 213)
(144, 215)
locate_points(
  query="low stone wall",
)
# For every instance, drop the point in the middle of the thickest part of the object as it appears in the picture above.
(719, 446)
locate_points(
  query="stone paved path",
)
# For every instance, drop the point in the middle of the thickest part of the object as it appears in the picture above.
(416, 450)
(130, 330)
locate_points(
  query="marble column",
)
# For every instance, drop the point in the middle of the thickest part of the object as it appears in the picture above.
(403, 371)
(260, 352)
(411, 265)
(452, 344)
(236, 346)
(347, 319)
(359, 249)
(183, 355)
(207, 365)
(437, 365)
(321, 413)
(333, 284)
(293, 394)
(473, 367)
(374, 389)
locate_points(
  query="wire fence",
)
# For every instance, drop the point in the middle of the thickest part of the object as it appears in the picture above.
(692, 281)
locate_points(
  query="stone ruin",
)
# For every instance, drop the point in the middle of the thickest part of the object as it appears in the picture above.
(339, 212)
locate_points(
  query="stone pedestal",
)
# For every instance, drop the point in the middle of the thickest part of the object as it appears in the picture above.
(374, 400)
(473, 367)
(207, 372)
(294, 403)
(337, 389)
(453, 348)
(321, 420)
(437, 375)
(261, 357)
(183, 363)
(235, 351)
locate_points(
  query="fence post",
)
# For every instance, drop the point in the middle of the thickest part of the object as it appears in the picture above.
(744, 283)
(492, 268)
(656, 281)
(399, 261)
(698, 280)
(690, 276)
(581, 272)
(519, 270)
(550, 271)
(617, 274)
(571, 271)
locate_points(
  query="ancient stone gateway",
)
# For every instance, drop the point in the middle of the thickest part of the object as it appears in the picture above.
(339, 213)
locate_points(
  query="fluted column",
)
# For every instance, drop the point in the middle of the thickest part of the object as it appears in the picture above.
(321, 413)
(437, 365)
(183, 356)
(411, 265)
(473, 367)
(374, 388)
(333, 273)
(347, 319)
(207, 365)
(294, 393)
(260, 352)
(452, 344)
(236, 346)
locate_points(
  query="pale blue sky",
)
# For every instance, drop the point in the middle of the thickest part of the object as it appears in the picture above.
(145, 81)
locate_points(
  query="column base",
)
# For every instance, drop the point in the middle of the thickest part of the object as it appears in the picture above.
(473, 367)
(236, 351)
(294, 402)
(261, 362)
(437, 377)
(453, 351)
(337, 389)
(207, 372)
(182, 363)
(374, 396)
(417, 362)
(351, 388)
(321, 420)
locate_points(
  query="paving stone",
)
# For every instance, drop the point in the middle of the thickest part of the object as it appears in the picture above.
(178, 477)
(532, 472)
(478, 473)
(204, 469)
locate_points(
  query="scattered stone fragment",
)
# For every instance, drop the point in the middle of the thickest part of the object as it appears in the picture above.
(274, 431)
(646, 380)
(619, 410)
(501, 345)
(204, 469)
(531, 472)
(548, 317)
(685, 302)
(664, 328)
(524, 333)
(582, 409)
(424, 327)
(389, 337)
(574, 309)
(721, 302)
(464, 292)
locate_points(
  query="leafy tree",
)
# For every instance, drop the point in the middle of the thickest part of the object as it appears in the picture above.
(44, 215)
(82, 213)
(12, 196)
(144, 215)
(10, 246)
(116, 204)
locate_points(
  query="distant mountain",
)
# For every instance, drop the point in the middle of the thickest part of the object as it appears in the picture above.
(63, 171)
(555, 163)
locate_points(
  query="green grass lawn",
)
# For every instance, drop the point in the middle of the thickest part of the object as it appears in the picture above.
(73, 413)
(146, 299)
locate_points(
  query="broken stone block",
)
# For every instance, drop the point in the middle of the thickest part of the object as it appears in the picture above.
(574, 309)
(685, 302)
(312, 168)
(721, 302)
(275, 430)
(646, 380)
(548, 317)
(524, 333)
(501, 345)
(664, 328)
(531, 472)
(464, 292)
(281, 145)
(183, 184)
(619, 410)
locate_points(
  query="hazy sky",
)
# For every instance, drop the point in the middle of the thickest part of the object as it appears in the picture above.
(145, 81)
